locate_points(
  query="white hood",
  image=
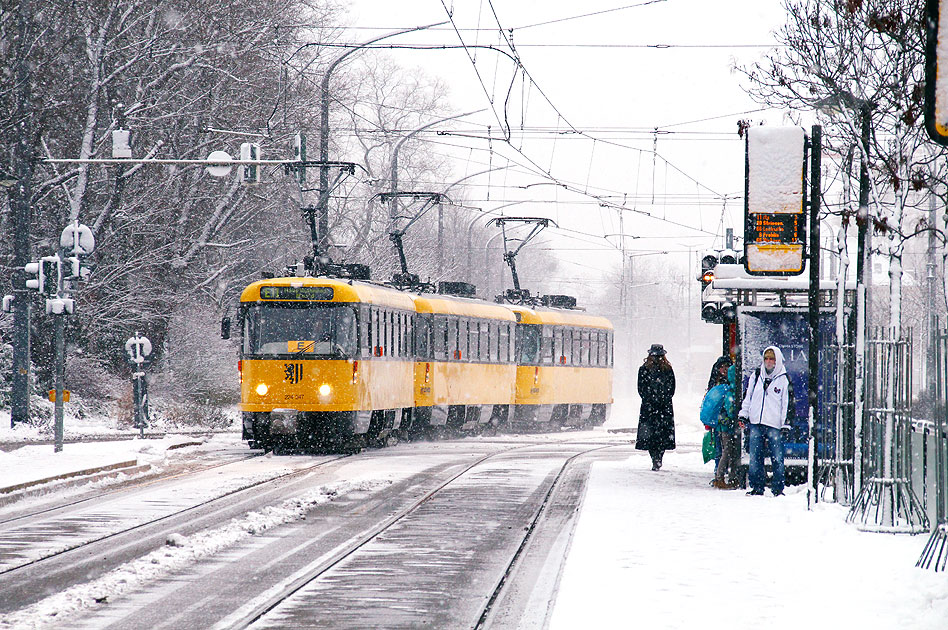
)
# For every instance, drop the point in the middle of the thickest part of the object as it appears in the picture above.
(768, 405)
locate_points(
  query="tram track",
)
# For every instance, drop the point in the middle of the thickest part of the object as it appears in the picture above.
(265, 605)
(29, 581)
(135, 483)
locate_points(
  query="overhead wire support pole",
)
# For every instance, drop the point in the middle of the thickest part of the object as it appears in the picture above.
(20, 203)
(323, 207)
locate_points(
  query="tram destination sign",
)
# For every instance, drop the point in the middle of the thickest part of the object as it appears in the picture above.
(774, 217)
(296, 293)
(936, 70)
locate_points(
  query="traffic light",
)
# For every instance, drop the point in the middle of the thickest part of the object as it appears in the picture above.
(52, 274)
(710, 309)
(37, 281)
(711, 313)
(708, 262)
(250, 173)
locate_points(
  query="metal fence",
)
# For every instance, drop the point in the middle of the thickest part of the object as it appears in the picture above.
(887, 501)
(836, 428)
(931, 459)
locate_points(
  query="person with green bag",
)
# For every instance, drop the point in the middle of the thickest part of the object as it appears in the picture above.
(729, 435)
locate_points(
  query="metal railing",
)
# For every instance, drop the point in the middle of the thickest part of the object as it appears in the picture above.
(887, 501)
(934, 459)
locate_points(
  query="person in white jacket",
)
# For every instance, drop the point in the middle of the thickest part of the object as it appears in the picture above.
(765, 411)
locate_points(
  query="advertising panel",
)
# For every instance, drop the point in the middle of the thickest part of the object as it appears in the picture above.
(789, 330)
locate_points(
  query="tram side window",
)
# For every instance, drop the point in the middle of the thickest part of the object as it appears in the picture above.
(504, 342)
(609, 348)
(546, 346)
(558, 356)
(400, 328)
(512, 348)
(452, 338)
(484, 341)
(493, 336)
(396, 334)
(568, 345)
(376, 326)
(584, 345)
(365, 338)
(528, 344)
(439, 341)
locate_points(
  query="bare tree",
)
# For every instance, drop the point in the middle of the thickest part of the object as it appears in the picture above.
(845, 57)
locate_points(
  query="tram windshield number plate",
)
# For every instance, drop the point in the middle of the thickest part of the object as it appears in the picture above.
(296, 293)
(300, 346)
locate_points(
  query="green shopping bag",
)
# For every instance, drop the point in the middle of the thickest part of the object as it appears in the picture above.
(708, 451)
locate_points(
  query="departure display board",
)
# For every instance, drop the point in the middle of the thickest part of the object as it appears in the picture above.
(296, 293)
(774, 217)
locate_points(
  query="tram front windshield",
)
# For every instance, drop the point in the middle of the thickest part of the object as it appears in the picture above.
(300, 329)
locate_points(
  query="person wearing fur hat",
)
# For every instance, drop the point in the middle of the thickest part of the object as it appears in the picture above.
(656, 386)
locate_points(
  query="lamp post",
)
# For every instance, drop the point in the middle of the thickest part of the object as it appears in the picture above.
(323, 207)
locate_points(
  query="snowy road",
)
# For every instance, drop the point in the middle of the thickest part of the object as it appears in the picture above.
(442, 561)
(45, 552)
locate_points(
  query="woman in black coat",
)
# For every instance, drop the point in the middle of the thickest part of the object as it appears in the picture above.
(656, 384)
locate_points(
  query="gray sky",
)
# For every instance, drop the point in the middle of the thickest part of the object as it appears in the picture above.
(597, 74)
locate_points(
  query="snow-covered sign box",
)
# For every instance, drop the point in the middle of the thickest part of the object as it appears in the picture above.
(774, 220)
(936, 71)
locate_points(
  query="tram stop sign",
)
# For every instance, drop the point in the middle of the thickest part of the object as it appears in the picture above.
(774, 219)
(936, 70)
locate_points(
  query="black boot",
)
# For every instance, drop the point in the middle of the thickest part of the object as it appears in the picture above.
(656, 460)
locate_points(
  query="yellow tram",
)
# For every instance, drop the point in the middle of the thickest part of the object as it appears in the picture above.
(465, 369)
(323, 361)
(339, 363)
(564, 368)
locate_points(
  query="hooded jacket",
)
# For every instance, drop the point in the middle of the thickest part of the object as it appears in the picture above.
(767, 398)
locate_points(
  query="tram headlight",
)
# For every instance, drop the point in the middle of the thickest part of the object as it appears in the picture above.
(262, 389)
(325, 389)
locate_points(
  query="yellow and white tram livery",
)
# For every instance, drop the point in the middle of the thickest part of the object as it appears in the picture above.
(323, 361)
(564, 368)
(465, 369)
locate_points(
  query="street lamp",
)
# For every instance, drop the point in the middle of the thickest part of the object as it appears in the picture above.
(323, 207)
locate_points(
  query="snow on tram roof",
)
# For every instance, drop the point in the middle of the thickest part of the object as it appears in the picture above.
(454, 305)
(559, 317)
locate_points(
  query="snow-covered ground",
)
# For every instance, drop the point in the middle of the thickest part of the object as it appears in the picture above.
(664, 549)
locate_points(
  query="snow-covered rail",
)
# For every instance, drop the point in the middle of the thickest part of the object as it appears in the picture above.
(52, 550)
(445, 560)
